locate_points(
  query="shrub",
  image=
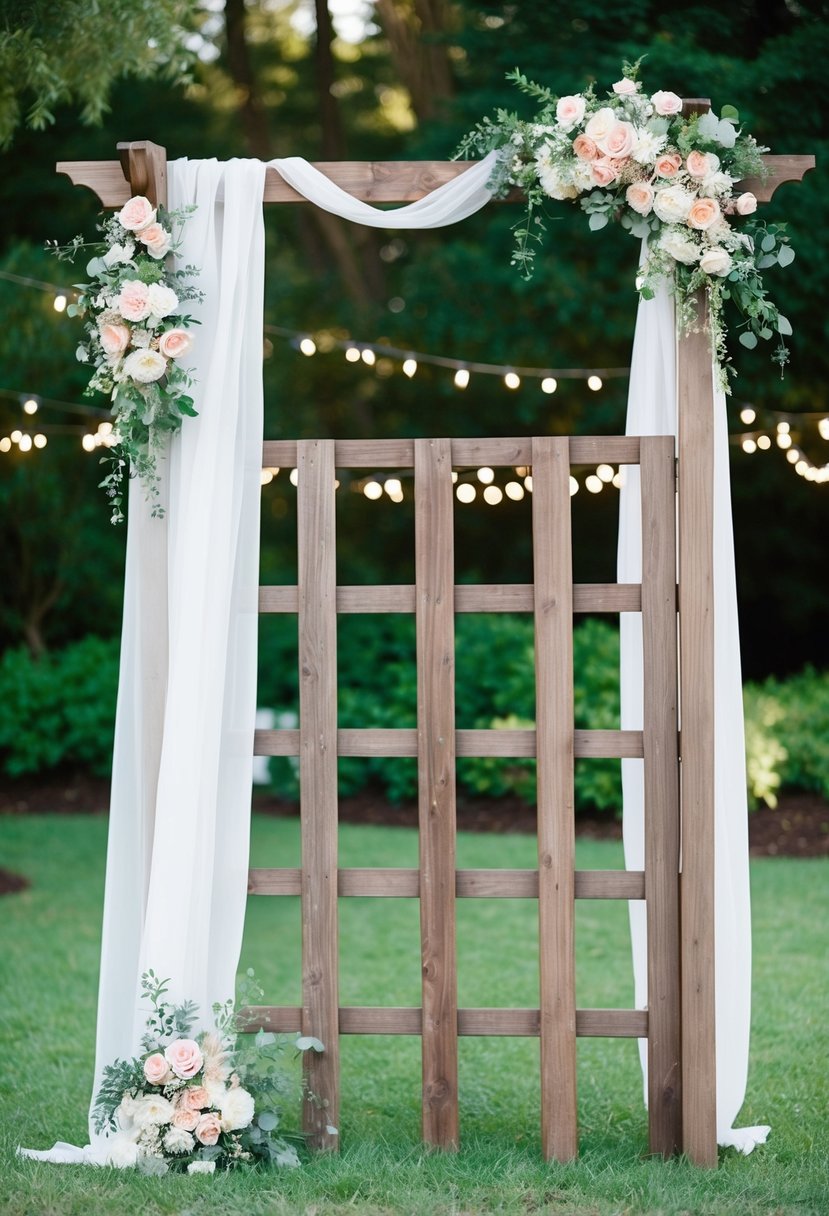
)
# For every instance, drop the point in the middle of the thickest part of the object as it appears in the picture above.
(787, 734)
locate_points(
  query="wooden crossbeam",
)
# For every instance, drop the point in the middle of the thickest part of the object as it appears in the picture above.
(480, 597)
(519, 1023)
(469, 884)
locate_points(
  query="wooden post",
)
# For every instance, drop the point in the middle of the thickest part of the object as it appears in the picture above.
(318, 783)
(553, 576)
(435, 624)
(659, 625)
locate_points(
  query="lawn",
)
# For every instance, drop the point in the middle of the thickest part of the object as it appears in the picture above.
(49, 940)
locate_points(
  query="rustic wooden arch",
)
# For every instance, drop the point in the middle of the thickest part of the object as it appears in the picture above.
(682, 1100)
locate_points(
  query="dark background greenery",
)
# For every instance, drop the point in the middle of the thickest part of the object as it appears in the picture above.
(423, 75)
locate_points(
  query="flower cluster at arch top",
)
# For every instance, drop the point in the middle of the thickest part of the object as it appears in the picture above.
(668, 178)
(136, 337)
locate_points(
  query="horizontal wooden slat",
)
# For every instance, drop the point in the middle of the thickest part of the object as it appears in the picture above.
(379, 741)
(520, 1023)
(469, 884)
(478, 597)
(466, 453)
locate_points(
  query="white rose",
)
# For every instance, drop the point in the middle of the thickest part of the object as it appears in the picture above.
(152, 1108)
(582, 176)
(602, 122)
(237, 1107)
(553, 183)
(680, 247)
(672, 204)
(201, 1167)
(746, 204)
(666, 103)
(122, 1151)
(570, 111)
(162, 300)
(144, 366)
(118, 255)
(717, 183)
(178, 1140)
(624, 87)
(716, 261)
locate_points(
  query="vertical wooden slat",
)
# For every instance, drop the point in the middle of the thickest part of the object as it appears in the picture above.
(661, 791)
(696, 634)
(434, 572)
(318, 782)
(556, 823)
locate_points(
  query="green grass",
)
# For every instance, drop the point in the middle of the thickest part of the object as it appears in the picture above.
(49, 940)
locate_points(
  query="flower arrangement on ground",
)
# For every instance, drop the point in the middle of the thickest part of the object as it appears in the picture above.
(196, 1103)
(136, 338)
(669, 178)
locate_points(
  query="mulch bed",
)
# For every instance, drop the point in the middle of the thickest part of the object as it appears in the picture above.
(797, 827)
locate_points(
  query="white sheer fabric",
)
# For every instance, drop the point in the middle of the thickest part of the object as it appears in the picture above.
(652, 410)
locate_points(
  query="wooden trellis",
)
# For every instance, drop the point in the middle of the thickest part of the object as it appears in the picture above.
(680, 1023)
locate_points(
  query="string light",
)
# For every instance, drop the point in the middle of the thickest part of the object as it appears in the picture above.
(40, 441)
(823, 428)
(25, 443)
(493, 495)
(512, 380)
(308, 346)
(59, 303)
(293, 477)
(604, 472)
(461, 377)
(373, 490)
(368, 356)
(30, 406)
(5, 444)
(514, 490)
(409, 366)
(747, 414)
(549, 384)
(466, 492)
(749, 445)
(594, 383)
(763, 442)
(574, 486)
(593, 483)
(485, 476)
(352, 354)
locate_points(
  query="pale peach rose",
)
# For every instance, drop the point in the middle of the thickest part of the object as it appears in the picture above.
(602, 122)
(175, 343)
(699, 164)
(703, 213)
(187, 1120)
(619, 141)
(716, 261)
(195, 1097)
(136, 214)
(604, 172)
(156, 238)
(208, 1129)
(624, 87)
(666, 103)
(115, 339)
(585, 148)
(184, 1057)
(746, 204)
(640, 197)
(569, 111)
(133, 302)
(668, 165)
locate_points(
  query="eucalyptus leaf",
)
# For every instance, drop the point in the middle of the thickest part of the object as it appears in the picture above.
(785, 256)
(268, 1121)
(784, 325)
(748, 340)
(307, 1042)
(768, 243)
(768, 259)
(729, 112)
(597, 220)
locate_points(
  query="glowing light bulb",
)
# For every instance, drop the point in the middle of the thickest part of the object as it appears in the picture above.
(409, 367)
(368, 356)
(783, 428)
(763, 443)
(294, 477)
(549, 384)
(5, 444)
(466, 492)
(493, 495)
(265, 477)
(16, 436)
(373, 490)
(747, 415)
(823, 428)
(793, 455)
(604, 472)
(40, 441)
(801, 467)
(485, 476)
(528, 482)
(25, 443)
(60, 302)
(593, 483)
(88, 443)
(104, 428)
(594, 383)
(30, 406)
(461, 381)
(512, 380)
(454, 477)
(352, 354)
(393, 487)
(308, 347)
(784, 440)
(514, 490)
(618, 480)
(574, 486)
(748, 445)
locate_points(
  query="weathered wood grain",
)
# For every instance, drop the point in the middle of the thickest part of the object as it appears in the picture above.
(407, 1020)
(479, 597)
(469, 884)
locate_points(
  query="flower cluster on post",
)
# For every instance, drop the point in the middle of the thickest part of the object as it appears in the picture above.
(195, 1103)
(668, 178)
(136, 338)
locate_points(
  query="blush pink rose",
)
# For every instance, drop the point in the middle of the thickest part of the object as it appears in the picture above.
(208, 1129)
(187, 1120)
(156, 239)
(703, 213)
(174, 343)
(640, 197)
(115, 339)
(585, 148)
(195, 1097)
(668, 165)
(604, 171)
(156, 1068)
(133, 302)
(569, 111)
(666, 103)
(624, 87)
(136, 214)
(698, 164)
(746, 204)
(619, 141)
(185, 1058)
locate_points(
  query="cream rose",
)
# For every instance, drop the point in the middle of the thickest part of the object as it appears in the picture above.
(116, 255)
(672, 204)
(146, 366)
(624, 87)
(201, 1167)
(114, 340)
(666, 103)
(682, 248)
(585, 147)
(122, 1151)
(699, 164)
(552, 183)
(156, 1068)
(236, 1109)
(161, 299)
(569, 111)
(208, 1129)
(184, 1055)
(703, 213)
(640, 197)
(157, 240)
(152, 1109)
(718, 183)
(600, 125)
(174, 343)
(133, 301)
(716, 261)
(179, 1141)
(619, 141)
(746, 204)
(668, 165)
(136, 213)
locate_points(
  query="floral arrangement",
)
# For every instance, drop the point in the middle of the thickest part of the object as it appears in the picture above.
(199, 1103)
(136, 337)
(669, 178)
